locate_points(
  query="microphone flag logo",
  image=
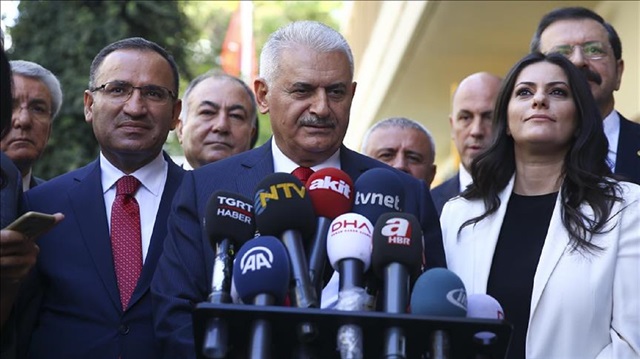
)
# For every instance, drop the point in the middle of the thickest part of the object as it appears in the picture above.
(256, 259)
(338, 186)
(398, 231)
(458, 297)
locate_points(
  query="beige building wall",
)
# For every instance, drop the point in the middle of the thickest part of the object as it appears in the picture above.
(410, 55)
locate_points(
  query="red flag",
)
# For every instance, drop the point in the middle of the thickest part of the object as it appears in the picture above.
(231, 54)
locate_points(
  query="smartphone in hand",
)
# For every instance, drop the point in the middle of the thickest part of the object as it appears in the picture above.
(32, 224)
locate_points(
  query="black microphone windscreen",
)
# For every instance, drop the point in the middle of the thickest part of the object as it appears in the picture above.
(229, 216)
(397, 238)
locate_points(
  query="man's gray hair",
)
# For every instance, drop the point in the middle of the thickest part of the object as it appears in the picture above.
(216, 74)
(310, 34)
(401, 122)
(37, 72)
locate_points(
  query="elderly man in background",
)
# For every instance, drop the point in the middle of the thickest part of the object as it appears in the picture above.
(403, 144)
(37, 98)
(218, 119)
(470, 119)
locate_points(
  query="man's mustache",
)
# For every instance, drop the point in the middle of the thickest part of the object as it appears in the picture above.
(592, 76)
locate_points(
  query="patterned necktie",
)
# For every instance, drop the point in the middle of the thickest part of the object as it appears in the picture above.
(126, 243)
(303, 174)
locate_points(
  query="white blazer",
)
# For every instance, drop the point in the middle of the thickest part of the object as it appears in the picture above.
(584, 305)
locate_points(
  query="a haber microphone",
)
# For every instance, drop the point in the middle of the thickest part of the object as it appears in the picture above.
(261, 277)
(396, 258)
(284, 210)
(439, 292)
(349, 251)
(228, 223)
(331, 192)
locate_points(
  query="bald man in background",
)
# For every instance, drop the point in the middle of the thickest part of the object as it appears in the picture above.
(470, 120)
(403, 144)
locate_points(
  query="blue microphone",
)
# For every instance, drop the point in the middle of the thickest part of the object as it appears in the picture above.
(261, 276)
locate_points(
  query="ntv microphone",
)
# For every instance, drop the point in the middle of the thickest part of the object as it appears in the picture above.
(349, 251)
(378, 191)
(484, 306)
(261, 276)
(439, 292)
(331, 192)
(283, 209)
(228, 223)
(396, 258)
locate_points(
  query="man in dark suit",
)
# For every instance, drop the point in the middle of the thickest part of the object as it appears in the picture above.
(306, 85)
(470, 119)
(594, 46)
(84, 309)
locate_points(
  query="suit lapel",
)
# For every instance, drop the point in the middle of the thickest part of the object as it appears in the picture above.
(350, 165)
(628, 152)
(257, 165)
(87, 202)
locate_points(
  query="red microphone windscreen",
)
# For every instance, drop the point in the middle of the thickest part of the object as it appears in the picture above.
(331, 192)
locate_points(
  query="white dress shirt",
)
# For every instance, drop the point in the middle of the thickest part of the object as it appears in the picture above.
(611, 126)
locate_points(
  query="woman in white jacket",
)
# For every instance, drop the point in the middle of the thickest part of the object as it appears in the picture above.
(545, 228)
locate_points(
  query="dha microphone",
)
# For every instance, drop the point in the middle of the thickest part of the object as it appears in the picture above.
(349, 250)
(283, 209)
(439, 292)
(331, 192)
(228, 223)
(261, 276)
(396, 257)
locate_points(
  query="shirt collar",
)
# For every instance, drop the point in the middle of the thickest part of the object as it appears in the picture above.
(147, 175)
(465, 178)
(282, 163)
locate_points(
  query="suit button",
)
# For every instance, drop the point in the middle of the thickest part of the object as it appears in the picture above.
(123, 329)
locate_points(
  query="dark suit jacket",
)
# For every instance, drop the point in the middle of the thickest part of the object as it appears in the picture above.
(80, 315)
(184, 272)
(628, 157)
(445, 191)
(10, 190)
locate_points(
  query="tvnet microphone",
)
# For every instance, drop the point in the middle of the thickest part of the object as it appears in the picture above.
(378, 191)
(228, 223)
(396, 257)
(283, 209)
(261, 277)
(439, 292)
(331, 192)
(349, 250)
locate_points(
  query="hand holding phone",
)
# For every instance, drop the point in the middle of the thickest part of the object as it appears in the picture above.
(33, 224)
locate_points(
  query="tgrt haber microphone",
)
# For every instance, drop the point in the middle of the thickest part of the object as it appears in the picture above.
(439, 292)
(331, 192)
(228, 222)
(349, 250)
(396, 257)
(283, 209)
(261, 277)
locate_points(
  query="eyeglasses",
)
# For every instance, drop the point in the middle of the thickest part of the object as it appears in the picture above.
(36, 110)
(120, 91)
(592, 50)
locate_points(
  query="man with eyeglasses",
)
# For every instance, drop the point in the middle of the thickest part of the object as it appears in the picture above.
(594, 47)
(94, 269)
(37, 98)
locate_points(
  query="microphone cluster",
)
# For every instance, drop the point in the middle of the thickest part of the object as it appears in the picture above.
(281, 247)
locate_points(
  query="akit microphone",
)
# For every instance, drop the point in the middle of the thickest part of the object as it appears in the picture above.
(331, 192)
(228, 223)
(261, 276)
(396, 257)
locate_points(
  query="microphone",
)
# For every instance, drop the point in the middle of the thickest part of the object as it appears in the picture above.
(228, 223)
(331, 193)
(349, 250)
(484, 306)
(261, 276)
(378, 191)
(396, 257)
(439, 292)
(283, 209)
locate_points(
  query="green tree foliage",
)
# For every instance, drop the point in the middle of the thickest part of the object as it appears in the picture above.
(64, 36)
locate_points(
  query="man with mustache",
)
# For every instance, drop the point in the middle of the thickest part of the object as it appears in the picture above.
(94, 270)
(37, 98)
(470, 119)
(218, 118)
(593, 45)
(306, 85)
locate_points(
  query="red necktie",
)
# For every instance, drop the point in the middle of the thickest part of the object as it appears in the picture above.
(126, 242)
(303, 174)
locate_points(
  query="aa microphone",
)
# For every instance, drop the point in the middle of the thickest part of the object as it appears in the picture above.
(484, 306)
(228, 223)
(439, 292)
(283, 209)
(378, 191)
(261, 277)
(331, 192)
(396, 257)
(349, 250)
